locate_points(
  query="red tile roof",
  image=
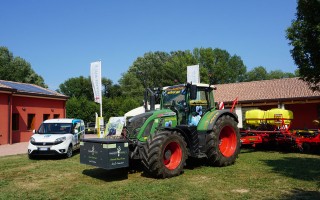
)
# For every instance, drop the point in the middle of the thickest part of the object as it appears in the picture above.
(285, 89)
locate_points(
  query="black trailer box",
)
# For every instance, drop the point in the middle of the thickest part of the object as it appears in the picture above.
(104, 153)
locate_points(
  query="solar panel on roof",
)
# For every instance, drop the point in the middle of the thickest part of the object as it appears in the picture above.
(27, 88)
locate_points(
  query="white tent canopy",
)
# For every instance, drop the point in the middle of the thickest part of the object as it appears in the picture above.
(139, 110)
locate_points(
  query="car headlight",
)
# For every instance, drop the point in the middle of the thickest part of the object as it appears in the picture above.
(60, 140)
(32, 140)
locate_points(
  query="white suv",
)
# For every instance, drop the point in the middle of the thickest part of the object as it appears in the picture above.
(56, 137)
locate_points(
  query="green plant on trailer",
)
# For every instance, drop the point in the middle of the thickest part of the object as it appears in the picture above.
(186, 125)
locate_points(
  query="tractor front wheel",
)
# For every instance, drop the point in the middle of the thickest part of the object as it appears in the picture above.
(165, 154)
(223, 143)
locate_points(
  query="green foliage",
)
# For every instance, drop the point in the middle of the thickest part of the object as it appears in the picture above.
(304, 36)
(260, 73)
(82, 108)
(77, 87)
(110, 90)
(176, 67)
(277, 74)
(131, 85)
(17, 69)
(157, 69)
(222, 67)
(81, 104)
(118, 106)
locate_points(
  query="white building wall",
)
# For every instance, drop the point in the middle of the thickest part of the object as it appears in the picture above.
(239, 113)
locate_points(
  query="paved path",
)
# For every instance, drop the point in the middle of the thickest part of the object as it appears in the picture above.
(22, 147)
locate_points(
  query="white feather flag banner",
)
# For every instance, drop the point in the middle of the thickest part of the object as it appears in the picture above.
(95, 73)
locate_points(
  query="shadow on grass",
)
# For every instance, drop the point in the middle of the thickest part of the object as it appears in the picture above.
(307, 169)
(135, 166)
(53, 157)
(107, 175)
(47, 157)
(193, 163)
(281, 148)
(269, 147)
(301, 194)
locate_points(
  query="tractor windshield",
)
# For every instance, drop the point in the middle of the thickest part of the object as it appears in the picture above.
(173, 95)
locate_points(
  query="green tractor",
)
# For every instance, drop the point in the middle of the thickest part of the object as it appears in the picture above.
(186, 125)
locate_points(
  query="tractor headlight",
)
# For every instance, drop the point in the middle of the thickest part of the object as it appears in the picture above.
(60, 140)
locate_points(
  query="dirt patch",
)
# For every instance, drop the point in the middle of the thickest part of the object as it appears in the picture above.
(240, 191)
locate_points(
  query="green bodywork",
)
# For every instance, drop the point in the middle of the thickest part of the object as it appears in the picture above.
(157, 119)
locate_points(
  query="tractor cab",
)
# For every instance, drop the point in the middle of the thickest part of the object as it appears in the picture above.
(188, 101)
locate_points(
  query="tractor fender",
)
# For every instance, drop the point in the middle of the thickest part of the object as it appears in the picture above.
(209, 119)
(184, 132)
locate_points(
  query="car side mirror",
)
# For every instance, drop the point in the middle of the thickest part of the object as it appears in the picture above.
(34, 131)
(193, 92)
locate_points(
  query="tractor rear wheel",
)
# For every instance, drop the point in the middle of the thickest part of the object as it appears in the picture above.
(223, 143)
(165, 154)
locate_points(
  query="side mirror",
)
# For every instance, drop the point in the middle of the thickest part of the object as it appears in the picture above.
(193, 92)
(34, 131)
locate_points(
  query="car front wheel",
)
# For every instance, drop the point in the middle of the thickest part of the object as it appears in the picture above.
(69, 152)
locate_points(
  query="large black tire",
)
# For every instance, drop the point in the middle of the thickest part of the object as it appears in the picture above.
(223, 143)
(164, 154)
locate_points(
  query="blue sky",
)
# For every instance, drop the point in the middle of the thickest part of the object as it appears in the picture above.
(60, 38)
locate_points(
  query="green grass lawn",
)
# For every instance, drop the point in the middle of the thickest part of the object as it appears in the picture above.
(256, 175)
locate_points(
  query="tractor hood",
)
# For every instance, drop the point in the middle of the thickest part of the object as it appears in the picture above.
(142, 125)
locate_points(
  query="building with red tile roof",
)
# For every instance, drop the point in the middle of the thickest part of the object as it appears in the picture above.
(287, 93)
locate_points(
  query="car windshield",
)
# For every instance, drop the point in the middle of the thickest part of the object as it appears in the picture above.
(91, 124)
(176, 94)
(55, 128)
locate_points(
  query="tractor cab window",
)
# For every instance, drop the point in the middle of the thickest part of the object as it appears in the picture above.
(198, 107)
(173, 96)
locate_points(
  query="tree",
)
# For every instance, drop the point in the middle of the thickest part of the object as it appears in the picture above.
(176, 67)
(304, 36)
(118, 106)
(82, 108)
(110, 90)
(222, 67)
(277, 74)
(77, 87)
(157, 69)
(257, 74)
(146, 72)
(81, 104)
(17, 69)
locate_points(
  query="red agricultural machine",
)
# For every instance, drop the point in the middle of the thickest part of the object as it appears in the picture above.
(272, 127)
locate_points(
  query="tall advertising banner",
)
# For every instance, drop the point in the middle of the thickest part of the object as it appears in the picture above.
(95, 73)
(193, 74)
